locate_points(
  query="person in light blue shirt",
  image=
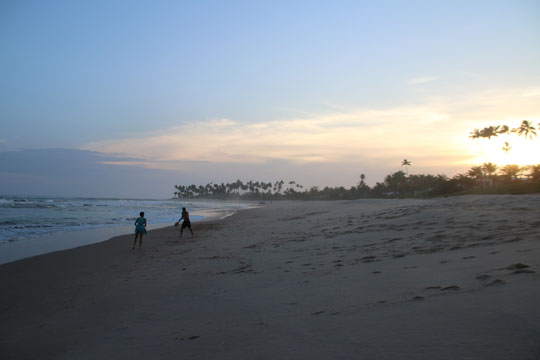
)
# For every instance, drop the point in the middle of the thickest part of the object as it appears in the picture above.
(140, 229)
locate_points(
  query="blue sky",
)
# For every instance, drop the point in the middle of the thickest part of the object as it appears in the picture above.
(264, 90)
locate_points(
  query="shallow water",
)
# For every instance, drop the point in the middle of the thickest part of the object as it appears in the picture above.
(29, 224)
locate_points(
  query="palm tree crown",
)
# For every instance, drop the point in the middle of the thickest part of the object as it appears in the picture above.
(506, 147)
(527, 129)
(476, 172)
(406, 163)
(511, 171)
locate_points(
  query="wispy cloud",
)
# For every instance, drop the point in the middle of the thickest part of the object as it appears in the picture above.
(423, 80)
(327, 138)
(428, 132)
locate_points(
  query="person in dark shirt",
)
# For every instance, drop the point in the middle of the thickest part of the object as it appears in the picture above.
(186, 223)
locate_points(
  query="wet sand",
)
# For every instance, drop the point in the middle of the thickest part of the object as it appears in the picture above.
(454, 278)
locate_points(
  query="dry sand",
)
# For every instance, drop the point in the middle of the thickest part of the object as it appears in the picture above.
(454, 278)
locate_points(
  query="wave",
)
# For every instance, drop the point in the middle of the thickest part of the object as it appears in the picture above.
(12, 225)
(25, 203)
(28, 216)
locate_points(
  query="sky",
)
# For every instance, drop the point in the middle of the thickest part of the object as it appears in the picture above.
(129, 98)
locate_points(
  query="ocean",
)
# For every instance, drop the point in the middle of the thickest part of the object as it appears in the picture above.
(26, 219)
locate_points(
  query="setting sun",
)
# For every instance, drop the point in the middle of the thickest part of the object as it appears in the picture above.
(522, 152)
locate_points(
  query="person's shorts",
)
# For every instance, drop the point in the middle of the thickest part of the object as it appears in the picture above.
(186, 224)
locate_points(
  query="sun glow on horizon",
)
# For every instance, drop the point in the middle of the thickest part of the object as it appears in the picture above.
(521, 152)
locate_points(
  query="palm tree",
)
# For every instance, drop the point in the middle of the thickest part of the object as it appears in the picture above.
(511, 171)
(396, 182)
(489, 168)
(489, 132)
(406, 163)
(477, 134)
(506, 147)
(535, 172)
(476, 172)
(503, 129)
(280, 186)
(526, 129)
(362, 180)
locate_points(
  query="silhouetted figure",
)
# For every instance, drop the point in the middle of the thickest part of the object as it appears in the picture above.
(186, 223)
(140, 229)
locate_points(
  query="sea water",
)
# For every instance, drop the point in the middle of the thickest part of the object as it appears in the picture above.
(27, 219)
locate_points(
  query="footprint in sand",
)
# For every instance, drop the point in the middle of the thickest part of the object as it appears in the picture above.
(517, 266)
(483, 277)
(451, 287)
(497, 282)
(523, 271)
(368, 259)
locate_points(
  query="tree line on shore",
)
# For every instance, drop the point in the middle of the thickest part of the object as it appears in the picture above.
(484, 179)
(487, 178)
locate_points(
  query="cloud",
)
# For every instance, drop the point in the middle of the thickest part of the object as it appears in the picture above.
(423, 80)
(433, 134)
(532, 92)
(70, 172)
(330, 148)
(365, 133)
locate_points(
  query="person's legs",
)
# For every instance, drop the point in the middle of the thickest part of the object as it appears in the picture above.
(191, 230)
(135, 241)
(140, 240)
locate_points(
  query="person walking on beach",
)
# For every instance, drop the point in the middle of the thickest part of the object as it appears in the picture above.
(186, 223)
(140, 229)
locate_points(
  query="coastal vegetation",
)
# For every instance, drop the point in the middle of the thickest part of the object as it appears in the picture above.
(485, 179)
(526, 129)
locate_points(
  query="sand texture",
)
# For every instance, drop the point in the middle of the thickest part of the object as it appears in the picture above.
(454, 278)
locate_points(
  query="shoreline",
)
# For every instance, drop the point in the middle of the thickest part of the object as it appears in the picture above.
(385, 279)
(42, 245)
(64, 240)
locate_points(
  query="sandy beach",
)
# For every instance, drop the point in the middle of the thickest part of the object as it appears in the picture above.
(452, 278)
